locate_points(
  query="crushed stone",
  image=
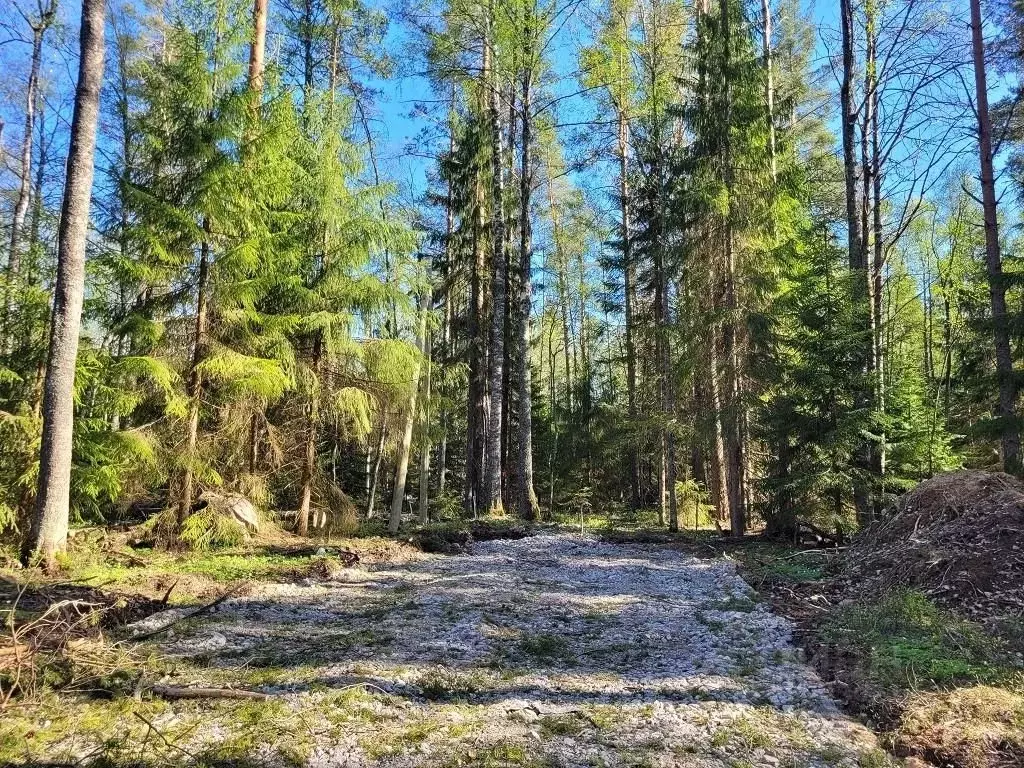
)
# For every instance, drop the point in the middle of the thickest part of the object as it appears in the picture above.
(551, 650)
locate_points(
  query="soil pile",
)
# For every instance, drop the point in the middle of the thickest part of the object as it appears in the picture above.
(959, 538)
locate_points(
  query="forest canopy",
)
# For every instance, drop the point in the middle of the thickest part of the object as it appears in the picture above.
(709, 264)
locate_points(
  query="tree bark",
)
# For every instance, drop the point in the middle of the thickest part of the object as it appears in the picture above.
(499, 267)
(562, 281)
(258, 46)
(1006, 408)
(404, 447)
(309, 442)
(195, 379)
(734, 435)
(855, 243)
(477, 405)
(48, 531)
(16, 252)
(850, 111)
(374, 479)
(628, 280)
(719, 478)
(424, 510)
(769, 81)
(524, 495)
(877, 266)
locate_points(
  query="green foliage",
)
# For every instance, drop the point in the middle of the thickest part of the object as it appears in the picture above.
(694, 510)
(210, 529)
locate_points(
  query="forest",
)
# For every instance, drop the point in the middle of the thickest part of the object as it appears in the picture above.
(284, 276)
(715, 264)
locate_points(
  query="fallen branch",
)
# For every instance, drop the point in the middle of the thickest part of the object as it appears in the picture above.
(198, 611)
(167, 594)
(819, 551)
(175, 692)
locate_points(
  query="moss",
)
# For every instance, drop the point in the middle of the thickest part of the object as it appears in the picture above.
(761, 729)
(390, 742)
(738, 603)
(510, 754)
(52, 728)
(876, 758)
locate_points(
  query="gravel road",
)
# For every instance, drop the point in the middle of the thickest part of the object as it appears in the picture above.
(547, 651)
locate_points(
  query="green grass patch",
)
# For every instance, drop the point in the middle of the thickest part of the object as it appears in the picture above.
(908, 641)
(546, 647)
(443, 684)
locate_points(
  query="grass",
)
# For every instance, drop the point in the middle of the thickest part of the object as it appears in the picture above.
(111, 563)
(545, 647)
(153, 732)
(736, 603)
(950, 691)
(441, 684)
(757, 730)
(908, 642)
(156, 570)
(987, 720)
(770, 562)
(150, 732)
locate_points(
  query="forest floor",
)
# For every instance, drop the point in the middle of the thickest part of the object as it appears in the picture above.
(550, 650)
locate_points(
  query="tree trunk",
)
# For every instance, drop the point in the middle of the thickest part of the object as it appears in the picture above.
(477, 405)
(499, 267)
(525, 498)
(1006, 409)
(877, 270)
(374, 479)
(309, 453)
(195, 380)
(734, 434)
(16, 252)
(402, 461)
(424, 511)
(258, 47)
(562, 282)
(719, 479)
(446, 325)
(857, 256)
(48, 531)
(628, 299)
(769, 81)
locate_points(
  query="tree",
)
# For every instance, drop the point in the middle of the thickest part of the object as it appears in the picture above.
(48, 532)
(40, 24)
(1006, 408)
(402, 463)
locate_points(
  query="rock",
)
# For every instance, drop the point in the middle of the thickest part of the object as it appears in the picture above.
(235, 506)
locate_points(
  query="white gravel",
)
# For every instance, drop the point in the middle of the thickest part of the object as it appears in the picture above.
(553, 650)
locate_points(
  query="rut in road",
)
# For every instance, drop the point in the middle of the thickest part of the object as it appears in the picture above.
(552, 650)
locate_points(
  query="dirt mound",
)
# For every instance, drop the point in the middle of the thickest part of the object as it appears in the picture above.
(959, 538)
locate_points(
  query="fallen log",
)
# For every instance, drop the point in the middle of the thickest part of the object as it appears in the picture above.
(198, 611)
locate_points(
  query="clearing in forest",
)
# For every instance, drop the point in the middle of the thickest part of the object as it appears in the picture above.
(551, 650)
